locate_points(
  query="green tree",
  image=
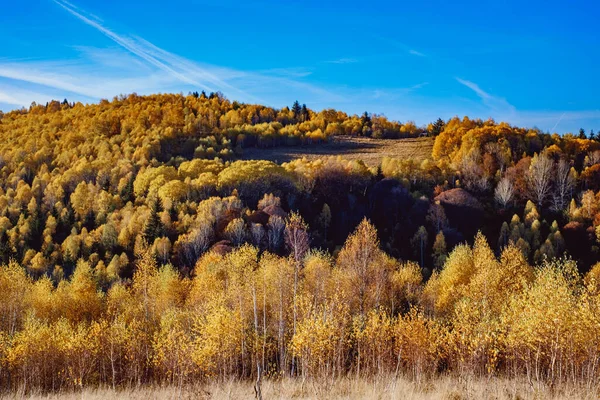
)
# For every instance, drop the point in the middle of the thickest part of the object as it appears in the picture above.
(437, 127)
(296, 110)
(154, 227)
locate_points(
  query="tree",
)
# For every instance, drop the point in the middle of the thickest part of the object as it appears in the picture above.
(85, 302)
(360, 258)
(564, 183)
(504, 237)
(304, 114)
(161, 248)
(275, 233)
(437, 216)
(540, 178)
(366, 123)
(236, 231)
(257, 235)
(193, 244)
(154, 227)
(324, 220)
(419, 243)
(504, 192)
(298, 242)
(439, 250)
(296, 110)
(437, 127)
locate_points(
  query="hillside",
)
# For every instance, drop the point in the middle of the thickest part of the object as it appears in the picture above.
(166, 240)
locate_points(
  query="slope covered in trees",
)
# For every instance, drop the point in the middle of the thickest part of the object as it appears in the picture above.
(136, 219)
(253, 314)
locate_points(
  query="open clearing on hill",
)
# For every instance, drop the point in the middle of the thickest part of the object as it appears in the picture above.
(371, 151)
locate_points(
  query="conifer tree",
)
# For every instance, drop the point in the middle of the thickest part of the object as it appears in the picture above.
(296, 110)
(154, 227)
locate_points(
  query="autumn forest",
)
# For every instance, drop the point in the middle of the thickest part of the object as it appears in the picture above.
(138, 247)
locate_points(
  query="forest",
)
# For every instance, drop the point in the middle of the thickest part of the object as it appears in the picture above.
(137, 248)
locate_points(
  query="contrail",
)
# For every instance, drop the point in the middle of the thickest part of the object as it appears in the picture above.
(178, 67)
(557, 122)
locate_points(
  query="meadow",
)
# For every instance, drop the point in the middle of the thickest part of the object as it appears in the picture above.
(380, 388)
(370, 150)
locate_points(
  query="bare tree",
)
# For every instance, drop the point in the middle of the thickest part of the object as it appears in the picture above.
(472, 173)
(419, 243)
(592, 158)
(437, 216)
(563, 186)
(505, 192)
(499, 152)
(236, 231)
(195, 243)
(275, 227)
(257, 234)
(540, 178)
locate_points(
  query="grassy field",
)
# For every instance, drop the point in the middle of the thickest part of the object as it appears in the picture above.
(445, 388)
(371, 151)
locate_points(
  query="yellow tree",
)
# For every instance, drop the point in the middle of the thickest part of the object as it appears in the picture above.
(15, 287)
(361, 259)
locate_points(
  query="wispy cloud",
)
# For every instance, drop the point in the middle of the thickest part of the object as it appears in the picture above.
(133, 64)
(400, 46)
(177, 67)
(343, 61)
(12, 100)
(82, 79)
(416, 53)
(74, 7)
(475, 87)
(495, 104)
(294, 72)
(548, 120)
(557, 122)
(18, 97)
(419, 85)
(138, 65)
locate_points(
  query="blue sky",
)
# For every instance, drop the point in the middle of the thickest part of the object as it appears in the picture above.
(531, 63)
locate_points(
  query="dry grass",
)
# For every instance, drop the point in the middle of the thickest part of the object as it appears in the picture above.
(444, 388)
(371, 151)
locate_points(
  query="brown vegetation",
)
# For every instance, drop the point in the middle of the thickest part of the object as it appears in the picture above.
(351, 388)
(370, 150)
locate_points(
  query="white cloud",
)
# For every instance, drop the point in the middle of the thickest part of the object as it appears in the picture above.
(496, 104)
(139, 66)
(177, 67)
(17, 97)
(287, 72)
(419, 85)
(136, 65)
(400, 46)
(343, 61)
